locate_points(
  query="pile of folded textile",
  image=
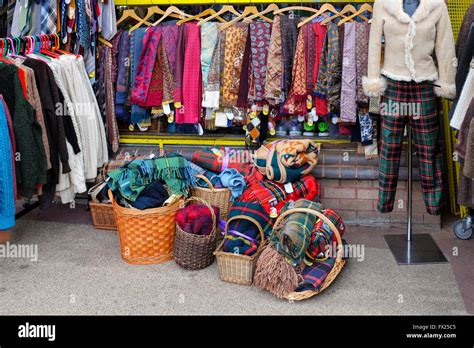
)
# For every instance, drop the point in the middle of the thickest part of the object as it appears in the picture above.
(196, 219)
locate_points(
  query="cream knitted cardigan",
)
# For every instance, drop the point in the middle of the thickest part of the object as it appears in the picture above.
(409, 46)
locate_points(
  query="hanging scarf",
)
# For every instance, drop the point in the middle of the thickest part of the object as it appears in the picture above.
(289, 37)
(170, 40)
(192, 77)
(111, 120)
(310, 57)
(320, 99)
(178, 71)
(161, 84)
(296, 102)
(260, 32)
(273, 81)
(349, 75)
(136, 46)
(209, 36)
(123, 69)
(245, 77)
(235, 40)
(362, 56)
(329, 76)
(211, 89)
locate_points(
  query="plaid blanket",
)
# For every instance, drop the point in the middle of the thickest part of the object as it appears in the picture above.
(131, 180)
(272, 194)
(322, 235)
(286, 160)
(206, 159)
(294, 237)
(314, 276)
(243, 236)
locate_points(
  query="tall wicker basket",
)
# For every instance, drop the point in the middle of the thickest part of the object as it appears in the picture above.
(237, 268)
(193, 251)
(338, 264)
(146, 236)
(219, 197)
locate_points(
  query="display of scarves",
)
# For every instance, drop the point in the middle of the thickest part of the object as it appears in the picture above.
(260, 32)
(286, 160)
(211, 89)
(234, 48)
(205, 158)
(362, 56)
(293, 238)
(289, 37)
(139, 114)
(274, 195)
(132, 179)
(322, 236)
(243, 236)
(190, 112)
(349, 75)
(295, 104)
(274, 78)
(321, 102)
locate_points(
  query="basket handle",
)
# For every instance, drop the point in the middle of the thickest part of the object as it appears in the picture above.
(206, 180)
(111, 197)
(248, 218)
(202, 201)
(319, 215)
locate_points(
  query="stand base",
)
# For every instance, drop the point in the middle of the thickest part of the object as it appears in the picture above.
(422, 249)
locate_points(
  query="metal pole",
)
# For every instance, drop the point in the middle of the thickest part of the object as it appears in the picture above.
(410, 186)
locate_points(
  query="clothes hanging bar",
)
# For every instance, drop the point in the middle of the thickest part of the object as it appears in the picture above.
(227, 2)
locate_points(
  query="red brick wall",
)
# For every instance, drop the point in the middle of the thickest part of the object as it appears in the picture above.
(356, 201)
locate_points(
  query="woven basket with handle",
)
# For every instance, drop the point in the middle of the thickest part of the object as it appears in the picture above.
(192, 251)
(237, 268)
(146, 236)
(218, 197)
(338, 264)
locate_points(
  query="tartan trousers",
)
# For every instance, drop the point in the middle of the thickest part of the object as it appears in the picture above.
(415, 104)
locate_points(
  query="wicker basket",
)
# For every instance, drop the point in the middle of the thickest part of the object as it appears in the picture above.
(146, 236)
(236, 268)
(219, 197)
(103, 216)
(338, 264)
(193, 251)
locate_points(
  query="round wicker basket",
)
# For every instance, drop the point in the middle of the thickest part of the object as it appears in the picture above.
(192, 251)
(338, 264)
(219, 197)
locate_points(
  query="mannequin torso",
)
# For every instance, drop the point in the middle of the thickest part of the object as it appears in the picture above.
(410, 6)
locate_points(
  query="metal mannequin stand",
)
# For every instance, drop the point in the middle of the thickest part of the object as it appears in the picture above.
(412, 248)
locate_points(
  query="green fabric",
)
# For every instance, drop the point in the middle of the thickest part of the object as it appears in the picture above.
(294, 238)
(131, 180)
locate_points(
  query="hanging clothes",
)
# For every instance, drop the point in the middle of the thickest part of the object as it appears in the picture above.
(289, 37)
(321, 102)
(7, 196)
(274, 78)
(349, 75)
(212, 86)
(362, 56)
(138, 113)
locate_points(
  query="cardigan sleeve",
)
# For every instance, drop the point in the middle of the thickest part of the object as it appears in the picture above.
(374, 84)
(446, 56)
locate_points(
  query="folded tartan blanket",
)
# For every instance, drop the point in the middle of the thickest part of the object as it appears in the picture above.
(132, 179)
(322, 236)
(294, 237)
(196, 219)
(286, 160)
(208, 160)
(229, 178)
(314, 276)
(243, 236)
(272, 194)
(153, 196)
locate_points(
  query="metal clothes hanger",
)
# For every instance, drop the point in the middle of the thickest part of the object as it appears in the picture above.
(362, 9)
(249, 10)
(208, 12)
(270, 8)
(224, 9)
(169, 11)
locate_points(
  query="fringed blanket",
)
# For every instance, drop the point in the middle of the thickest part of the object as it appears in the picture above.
(293, 238)
(131, 180)
(208, 160)
(274, 195)
(287, 160)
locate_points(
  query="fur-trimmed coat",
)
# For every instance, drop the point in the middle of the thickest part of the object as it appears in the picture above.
(409, 46)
